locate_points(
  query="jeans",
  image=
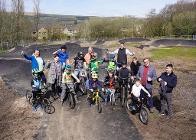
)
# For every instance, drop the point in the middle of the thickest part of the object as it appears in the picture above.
(150, 99)
(166, 103)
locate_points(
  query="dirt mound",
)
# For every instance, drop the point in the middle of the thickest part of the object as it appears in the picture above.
(174, 42)
(133, 39)
(17, 121)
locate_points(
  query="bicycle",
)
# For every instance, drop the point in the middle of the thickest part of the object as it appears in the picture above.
(83, 78)
(111, 94)
(96, 100)
(40, 99)
(139, 106)
(123, 91)
(70, 93)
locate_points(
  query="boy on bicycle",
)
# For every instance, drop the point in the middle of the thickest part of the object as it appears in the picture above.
(68, 81)
(109, 83)
(95, 84)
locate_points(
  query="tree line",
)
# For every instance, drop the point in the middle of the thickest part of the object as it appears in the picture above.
(176, 20)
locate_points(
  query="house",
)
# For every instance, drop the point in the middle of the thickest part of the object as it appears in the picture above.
(69, 30)
(41, 35)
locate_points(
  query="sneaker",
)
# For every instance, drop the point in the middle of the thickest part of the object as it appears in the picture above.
(162, 114)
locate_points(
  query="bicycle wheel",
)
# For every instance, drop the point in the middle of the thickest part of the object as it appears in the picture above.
(71, 100)
(99, 108)
(123, 97)
(29, 97)
(113, 100)
(48, 107)
(143, 115)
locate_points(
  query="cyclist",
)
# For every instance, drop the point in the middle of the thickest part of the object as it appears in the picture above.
(94, 63)
(62, 54)
(37, 64)
(94, 83)
(79, 63)
(54, 74)
(122, 53)
(123, 75)
(36, 85)
(68, 79)
(109, 83)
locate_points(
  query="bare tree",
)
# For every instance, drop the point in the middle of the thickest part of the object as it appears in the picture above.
(36, 14)
(18, 20)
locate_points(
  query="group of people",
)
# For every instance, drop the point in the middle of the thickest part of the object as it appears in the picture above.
(139, 77)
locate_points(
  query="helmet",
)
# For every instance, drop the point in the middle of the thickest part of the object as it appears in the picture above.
(68, 67)
(111, 66)
(94, 57)
(94, 75)
(110, 70)
(36, 75)
(80, 54)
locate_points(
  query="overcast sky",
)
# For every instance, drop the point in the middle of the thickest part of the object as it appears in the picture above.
(138, 8)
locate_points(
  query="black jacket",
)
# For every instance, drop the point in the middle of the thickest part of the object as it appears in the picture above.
(134, 68)
(170, 79)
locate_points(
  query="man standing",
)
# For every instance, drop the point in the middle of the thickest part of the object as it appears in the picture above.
(89, 55)
(63, 55)
(168, 81)
(122, 53)
(147, 74)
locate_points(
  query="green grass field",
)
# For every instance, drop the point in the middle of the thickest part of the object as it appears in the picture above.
(174, 52)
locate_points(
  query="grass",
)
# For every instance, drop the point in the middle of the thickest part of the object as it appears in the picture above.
(174, 52)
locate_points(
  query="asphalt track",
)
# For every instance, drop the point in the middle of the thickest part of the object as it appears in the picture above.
(82, 123)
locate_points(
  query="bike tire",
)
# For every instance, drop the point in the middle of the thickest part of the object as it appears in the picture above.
(99, 108)
(71, 101)
(29, 97)
(144, 115)
(48, 107)
(113, 100)
(123, 97)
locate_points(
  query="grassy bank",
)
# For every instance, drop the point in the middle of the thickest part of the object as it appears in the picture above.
(174, 52)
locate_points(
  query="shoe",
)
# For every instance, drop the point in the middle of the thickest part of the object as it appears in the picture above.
(162, 114)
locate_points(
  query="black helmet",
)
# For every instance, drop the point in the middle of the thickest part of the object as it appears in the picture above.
(64, 47)
(80, 54)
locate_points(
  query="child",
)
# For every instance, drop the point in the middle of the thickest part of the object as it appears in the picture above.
(54, 74)
(94, 83)
(36, 85)
(68, 81)
(110, 83)
(79, 63)
(136, 90)
(94, 63)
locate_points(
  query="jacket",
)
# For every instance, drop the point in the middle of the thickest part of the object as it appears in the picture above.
(37, 63)
(54, 73)
(95, 84)
(134, 68)
(171, 80)
(151, 73)
(63, 56)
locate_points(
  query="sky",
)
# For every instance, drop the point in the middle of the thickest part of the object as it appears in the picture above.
(137, 8)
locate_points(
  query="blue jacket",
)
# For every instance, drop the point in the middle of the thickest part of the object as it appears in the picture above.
(63, 56)
(151, 73)
(37, 64)
(170, 79)
(95, 84)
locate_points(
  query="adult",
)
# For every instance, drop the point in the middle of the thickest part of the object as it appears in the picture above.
(89, 55)
(37, 63)
(147, 74)
(122, 53)
(62, 54)
(168, 81)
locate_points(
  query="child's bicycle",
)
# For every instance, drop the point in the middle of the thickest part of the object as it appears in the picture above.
(96, 100)
(40, 99)
(139, 106)
(70, 96)
(110, 94)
